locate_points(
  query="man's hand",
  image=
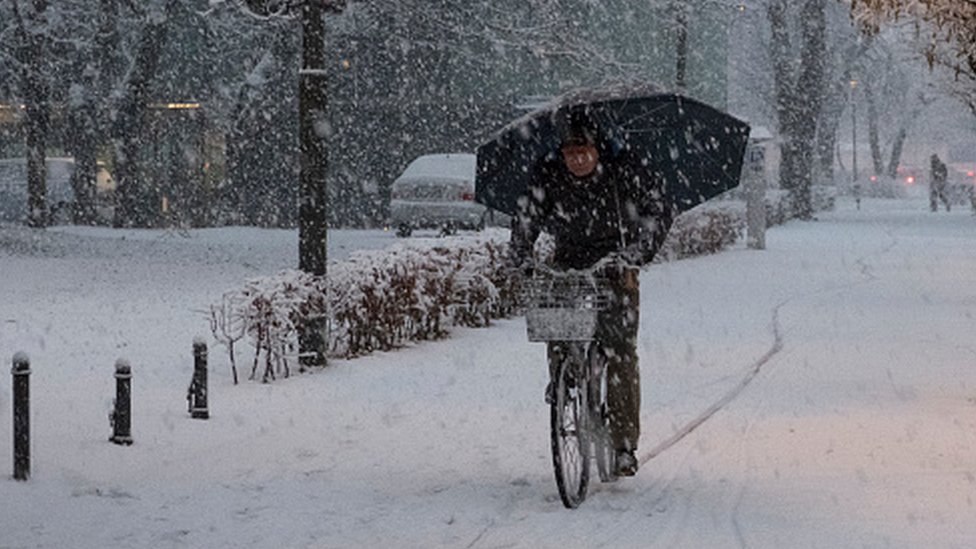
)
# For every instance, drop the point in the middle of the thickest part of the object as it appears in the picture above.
(634, 255)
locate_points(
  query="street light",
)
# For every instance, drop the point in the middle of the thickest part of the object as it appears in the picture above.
(312, 185)
(854, 129)
(855, 186)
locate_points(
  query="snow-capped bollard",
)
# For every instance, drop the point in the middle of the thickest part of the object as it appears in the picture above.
(196, 395)
(121, 416)
(21, 387)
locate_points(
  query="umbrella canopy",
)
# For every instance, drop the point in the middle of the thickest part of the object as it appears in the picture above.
(694, 148)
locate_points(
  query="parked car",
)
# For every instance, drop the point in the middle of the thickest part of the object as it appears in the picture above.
(13, 189)
(437, 191)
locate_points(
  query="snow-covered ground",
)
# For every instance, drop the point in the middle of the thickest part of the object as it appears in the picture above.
(831, 378)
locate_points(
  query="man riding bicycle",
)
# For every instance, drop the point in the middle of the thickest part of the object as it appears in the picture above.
(588, 196)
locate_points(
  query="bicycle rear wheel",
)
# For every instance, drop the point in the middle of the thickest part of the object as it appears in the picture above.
(570, 445)
(599, 420)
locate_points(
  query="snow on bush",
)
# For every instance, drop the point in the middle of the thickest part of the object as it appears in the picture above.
(700, 232)
(381, 300)
(269, 310)
(372, 301)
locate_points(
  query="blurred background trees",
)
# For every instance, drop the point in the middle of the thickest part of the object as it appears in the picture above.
(192, 105)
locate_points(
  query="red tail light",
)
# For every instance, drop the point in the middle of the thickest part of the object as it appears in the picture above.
(874, 178)
(910, 180)
(971, 173)
(468, 196)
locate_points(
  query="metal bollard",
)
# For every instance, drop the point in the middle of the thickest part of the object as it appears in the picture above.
(21, 386)
(196, 395)
(754, 181)
(121, 416)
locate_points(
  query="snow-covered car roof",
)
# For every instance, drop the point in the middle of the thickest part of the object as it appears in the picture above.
(460, 166)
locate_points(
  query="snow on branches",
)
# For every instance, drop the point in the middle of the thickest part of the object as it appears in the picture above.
(956, 19)
(269, 311)
(951, 40)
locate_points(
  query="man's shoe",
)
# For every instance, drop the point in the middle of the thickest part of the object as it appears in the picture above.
(626, 463)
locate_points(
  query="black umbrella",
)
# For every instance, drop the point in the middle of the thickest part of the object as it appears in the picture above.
(696, 149)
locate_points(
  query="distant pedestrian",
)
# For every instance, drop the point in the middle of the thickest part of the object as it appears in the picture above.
(937, 184)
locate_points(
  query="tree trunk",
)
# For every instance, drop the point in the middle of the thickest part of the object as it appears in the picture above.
(135, 208)
(829, 124)
(873, 138)
(313, 206)
(784, 84)
(84, 149)
(827, 139)
(312, 127)
(83, 143)
(799, 98)
(33, 34)
(896, 149)
(902, 136)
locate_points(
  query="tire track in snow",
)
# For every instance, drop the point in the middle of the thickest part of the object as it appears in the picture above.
(728, 397)
(754, 370)
(866, 271)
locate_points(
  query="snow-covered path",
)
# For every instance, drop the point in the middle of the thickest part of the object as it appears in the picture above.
(820, 393)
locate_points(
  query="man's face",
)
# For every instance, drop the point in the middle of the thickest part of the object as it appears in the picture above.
(580, 158)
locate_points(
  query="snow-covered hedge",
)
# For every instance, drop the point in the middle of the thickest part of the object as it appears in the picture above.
(373, 301)
(701, 232)
(381, 300)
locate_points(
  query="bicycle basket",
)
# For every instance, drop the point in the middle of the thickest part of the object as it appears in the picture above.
(564, 306)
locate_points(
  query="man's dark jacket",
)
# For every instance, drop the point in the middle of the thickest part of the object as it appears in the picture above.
(615, 209)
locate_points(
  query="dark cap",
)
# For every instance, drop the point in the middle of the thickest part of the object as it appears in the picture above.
(577, 127)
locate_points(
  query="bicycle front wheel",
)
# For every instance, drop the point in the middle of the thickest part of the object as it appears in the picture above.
(599, 420)
(568, 416)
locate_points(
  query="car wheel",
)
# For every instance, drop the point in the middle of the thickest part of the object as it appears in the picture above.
(449, 229)
(404, 230)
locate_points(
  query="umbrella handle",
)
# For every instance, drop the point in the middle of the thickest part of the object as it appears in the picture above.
(620, 217)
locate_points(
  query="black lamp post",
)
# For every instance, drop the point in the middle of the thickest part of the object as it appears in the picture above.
(853, 131)
(312, 191)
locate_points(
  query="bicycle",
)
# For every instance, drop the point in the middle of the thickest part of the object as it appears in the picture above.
(563, 308)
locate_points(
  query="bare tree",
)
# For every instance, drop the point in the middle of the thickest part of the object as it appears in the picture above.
(799, 94)
(134, 207)
(31, 24)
